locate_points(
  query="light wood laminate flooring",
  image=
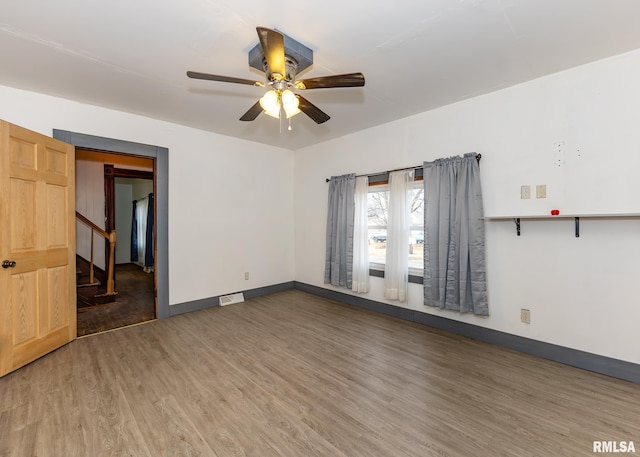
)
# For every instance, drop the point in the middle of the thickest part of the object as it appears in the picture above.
(295, 375)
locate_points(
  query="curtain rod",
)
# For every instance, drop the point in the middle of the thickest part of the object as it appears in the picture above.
(478, 157)
(151, 193)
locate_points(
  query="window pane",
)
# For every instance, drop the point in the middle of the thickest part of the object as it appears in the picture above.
(416, 218)
(378, 204)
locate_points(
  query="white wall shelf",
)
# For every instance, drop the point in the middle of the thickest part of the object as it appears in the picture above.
(575, 217)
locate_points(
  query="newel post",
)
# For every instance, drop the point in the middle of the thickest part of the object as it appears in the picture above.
(112, 261)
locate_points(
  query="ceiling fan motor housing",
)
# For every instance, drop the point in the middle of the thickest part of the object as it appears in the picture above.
(287, 81)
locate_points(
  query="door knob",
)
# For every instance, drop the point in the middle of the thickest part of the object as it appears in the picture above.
(8, 263)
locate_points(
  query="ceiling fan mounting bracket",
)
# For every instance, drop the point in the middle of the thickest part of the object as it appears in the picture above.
(294, 51)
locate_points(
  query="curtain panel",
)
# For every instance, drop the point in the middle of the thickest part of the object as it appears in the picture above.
(340, 219)
(142, 245)
(134, 233)
(360, 279)
(454, 256)
(140, 222)
(148, 249)
(396, 269)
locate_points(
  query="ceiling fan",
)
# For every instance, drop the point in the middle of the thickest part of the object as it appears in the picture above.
(281, 58)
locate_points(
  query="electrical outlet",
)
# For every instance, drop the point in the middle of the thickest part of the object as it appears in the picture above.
(525, 192)
(246, 275)
(541, 191)
(525, 316)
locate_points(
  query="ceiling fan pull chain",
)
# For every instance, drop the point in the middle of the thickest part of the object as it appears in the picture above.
(289, 124)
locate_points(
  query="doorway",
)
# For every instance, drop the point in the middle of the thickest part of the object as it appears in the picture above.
(160, 155)
(109, 185)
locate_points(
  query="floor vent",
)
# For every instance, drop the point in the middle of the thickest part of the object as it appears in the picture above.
(231, 299)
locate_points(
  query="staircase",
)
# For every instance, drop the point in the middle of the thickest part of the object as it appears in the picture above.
(91, 293)
(89, 279)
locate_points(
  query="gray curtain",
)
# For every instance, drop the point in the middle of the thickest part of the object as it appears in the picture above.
(454, 261)
(338, 268)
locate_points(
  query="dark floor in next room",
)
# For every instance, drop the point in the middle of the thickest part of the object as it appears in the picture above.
(135, 303)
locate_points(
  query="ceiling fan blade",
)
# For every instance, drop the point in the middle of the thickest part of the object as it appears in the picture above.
(272, 43)
(253, 112)
(224, 79)
(322, 82)
(311, 110)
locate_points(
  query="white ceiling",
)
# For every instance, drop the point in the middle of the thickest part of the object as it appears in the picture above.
(416, 55)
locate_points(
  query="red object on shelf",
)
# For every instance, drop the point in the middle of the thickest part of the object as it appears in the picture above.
(555, 212)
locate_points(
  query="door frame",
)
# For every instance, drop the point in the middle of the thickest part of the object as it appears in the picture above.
(161, 179)
(111, 172)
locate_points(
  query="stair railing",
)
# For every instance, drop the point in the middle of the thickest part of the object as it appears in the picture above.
(111, 238)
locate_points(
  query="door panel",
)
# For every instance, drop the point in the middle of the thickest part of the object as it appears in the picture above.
(37, 207)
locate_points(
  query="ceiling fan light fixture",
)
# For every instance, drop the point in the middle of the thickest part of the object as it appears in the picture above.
(290, 103)
(270, 103)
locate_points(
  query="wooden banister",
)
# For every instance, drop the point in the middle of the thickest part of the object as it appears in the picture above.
(111, 237)
(93, 226)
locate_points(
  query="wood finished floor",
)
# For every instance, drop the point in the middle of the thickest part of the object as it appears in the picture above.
(295, 375)
(135, 303)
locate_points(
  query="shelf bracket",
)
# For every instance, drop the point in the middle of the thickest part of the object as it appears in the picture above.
(577, 219)
(517, 221)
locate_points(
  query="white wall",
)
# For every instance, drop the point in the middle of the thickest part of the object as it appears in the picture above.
(123, 208)
(582, 292)
(230, 201)
(90, 203)
(140, 188)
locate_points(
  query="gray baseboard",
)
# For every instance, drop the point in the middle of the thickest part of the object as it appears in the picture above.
(204, 303)
(604, 365)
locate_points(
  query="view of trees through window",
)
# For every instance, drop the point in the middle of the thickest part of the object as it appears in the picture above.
(378, 205)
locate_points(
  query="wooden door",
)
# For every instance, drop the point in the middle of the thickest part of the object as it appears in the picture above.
(37, 232)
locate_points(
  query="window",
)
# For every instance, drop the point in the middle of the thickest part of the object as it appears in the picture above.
(416, 219)
(378, 204)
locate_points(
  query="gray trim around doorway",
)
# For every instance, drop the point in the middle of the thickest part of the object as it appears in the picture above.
(161, 156)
